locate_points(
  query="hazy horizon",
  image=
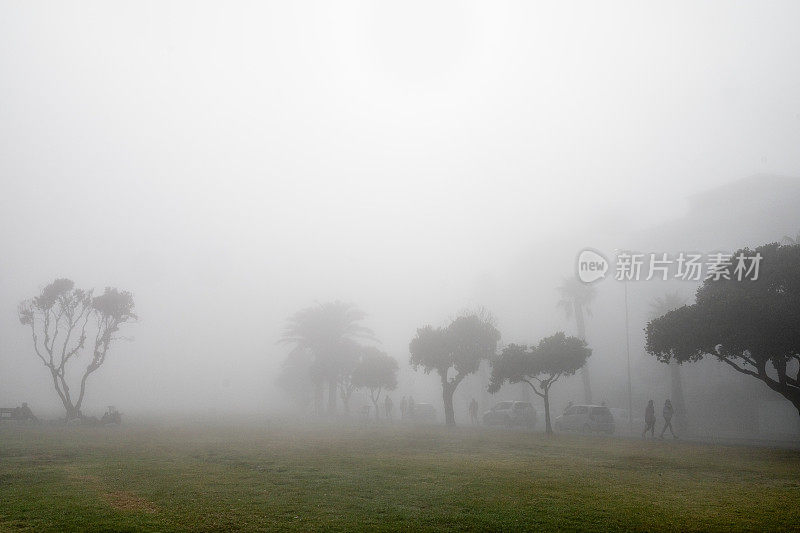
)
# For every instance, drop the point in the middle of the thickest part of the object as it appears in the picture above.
(230, 164)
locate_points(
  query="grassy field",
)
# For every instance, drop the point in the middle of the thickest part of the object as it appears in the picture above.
(223, 478)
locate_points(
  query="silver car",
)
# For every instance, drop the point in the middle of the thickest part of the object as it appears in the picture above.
(511, 414)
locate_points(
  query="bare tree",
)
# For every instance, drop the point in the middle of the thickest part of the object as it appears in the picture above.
(66, 321)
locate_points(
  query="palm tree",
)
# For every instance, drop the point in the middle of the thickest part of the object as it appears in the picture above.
(659, 307)
(327, 331)
(576, 297)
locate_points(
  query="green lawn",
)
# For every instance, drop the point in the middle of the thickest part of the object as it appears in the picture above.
(396, 477)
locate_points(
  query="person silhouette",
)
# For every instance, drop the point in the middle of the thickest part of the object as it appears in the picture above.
(667, 413)
(473, 411)
(387, 406)
(649, 419)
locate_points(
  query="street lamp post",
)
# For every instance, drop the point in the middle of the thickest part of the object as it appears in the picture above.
(628, 351)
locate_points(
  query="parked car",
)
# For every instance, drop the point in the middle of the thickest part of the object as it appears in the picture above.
(621, 419)
(511, 414)
(587, 419)
(423, 412)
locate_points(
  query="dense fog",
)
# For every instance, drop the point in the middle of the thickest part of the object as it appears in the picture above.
(232, 164)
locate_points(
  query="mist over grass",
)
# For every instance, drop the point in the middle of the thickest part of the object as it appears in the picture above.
(296, 477)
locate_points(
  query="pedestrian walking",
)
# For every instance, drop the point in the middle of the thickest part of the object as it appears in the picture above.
(667, 413)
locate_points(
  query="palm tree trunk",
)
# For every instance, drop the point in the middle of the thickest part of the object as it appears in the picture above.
(581, 325)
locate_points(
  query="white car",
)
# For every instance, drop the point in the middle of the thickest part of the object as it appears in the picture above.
(621, 418)
(511, 414)
(586, 419)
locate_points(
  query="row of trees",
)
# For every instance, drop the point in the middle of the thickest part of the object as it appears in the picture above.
(327, 348)
(326, 353)
(457, 350)
(749, 325)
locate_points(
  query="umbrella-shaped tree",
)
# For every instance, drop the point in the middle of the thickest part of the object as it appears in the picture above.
(539, 366)
(454, 352)
(750, 324)
(375, 371)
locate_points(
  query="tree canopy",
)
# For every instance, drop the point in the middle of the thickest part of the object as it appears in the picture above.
(750, 324)
(328, 333)
(376, 371)
(462, 345)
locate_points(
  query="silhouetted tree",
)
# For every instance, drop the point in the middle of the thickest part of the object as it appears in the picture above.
(325, 330)
(375, 371)
(298, 380)
(64, 321)
(350, 353)
(539, 366)
(460, 346)
(750, 325)
(576, 298)
(659, 307)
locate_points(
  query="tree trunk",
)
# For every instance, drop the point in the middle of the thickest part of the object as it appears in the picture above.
(89, 370)
(677, 396)
(318, 394)
(581, 325)
(67, 406)
(345, 394)
(547, 427)
(790, 393)
(375, 399)
(332, 386)
(447, 396)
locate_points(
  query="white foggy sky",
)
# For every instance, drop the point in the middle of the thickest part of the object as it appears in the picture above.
(230, 163)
